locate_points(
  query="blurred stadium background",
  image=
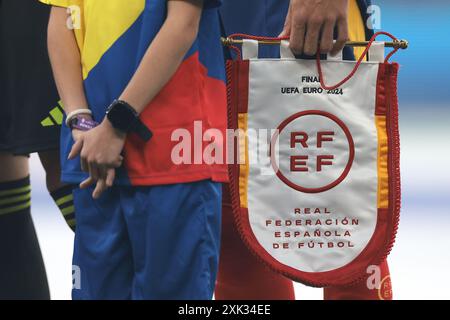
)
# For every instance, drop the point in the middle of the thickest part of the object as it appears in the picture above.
(420, 260)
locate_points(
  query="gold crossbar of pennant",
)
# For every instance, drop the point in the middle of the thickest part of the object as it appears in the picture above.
(400, 44)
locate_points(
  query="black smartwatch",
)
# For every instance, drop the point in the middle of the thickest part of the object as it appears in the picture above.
(124, 118)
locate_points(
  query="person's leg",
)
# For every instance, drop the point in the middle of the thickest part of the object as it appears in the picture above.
(22, 271)
(361, 290)
(60, 192)
(13, 167)
(241, 275)
(102, 249)
(175, 234)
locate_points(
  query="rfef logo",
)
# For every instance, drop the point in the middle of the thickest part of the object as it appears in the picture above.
(312, 151)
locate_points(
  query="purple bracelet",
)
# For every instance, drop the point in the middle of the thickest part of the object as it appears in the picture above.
(83, 124)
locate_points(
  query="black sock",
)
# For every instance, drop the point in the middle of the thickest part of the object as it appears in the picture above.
(63, 198)
(22, 271)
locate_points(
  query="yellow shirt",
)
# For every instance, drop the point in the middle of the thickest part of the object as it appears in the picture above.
(356, 27)
(93, 45)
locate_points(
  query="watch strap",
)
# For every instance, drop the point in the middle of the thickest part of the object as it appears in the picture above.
(142, 130)
(137, 126)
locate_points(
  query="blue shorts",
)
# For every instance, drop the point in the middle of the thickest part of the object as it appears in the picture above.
(158, 242)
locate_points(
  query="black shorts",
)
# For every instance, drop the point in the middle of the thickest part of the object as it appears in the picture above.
(30, 114)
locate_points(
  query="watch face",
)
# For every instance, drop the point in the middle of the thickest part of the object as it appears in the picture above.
(121, 116)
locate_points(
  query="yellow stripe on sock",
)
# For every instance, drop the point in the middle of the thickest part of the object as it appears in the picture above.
(64, 199)
(68, 210)
(15, 191)
(15, 209)
(15, 199)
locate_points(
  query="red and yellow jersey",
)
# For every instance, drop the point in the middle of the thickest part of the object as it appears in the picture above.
(113, 37)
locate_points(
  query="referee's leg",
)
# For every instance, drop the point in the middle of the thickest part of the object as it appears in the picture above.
(22, 271)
